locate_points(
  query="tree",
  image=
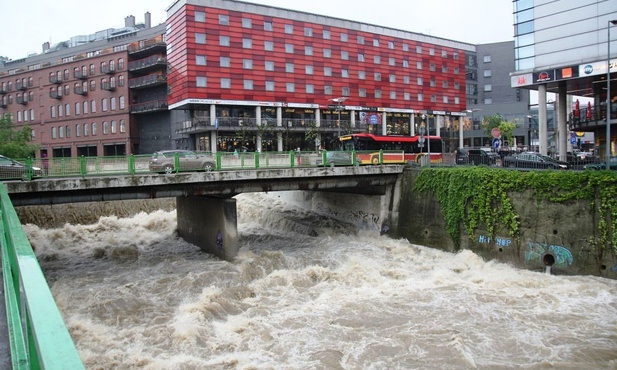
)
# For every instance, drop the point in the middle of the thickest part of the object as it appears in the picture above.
(506, 128)
(15, 143)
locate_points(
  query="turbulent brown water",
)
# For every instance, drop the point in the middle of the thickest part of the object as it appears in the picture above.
(307, 292)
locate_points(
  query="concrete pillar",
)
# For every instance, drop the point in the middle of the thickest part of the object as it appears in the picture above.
(542, 120)
(412, 124)
(352, 119)
(562, 127)
(438, 121)
(214, 135)
(460, 131)
(279, 123)
(258, 123)
(210, 224)
(384, 124)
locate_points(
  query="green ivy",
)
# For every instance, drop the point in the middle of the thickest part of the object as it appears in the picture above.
(479, 197)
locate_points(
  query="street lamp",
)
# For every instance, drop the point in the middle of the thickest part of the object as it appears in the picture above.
(608, 93)
(338, 102)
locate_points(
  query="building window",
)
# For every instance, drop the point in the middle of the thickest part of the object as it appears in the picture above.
(457, 86)
(360, 57)
(344, 55)
(200, 60)
(392, 95)
(308, 50)
(405, 47)
(420, 81)
(455, 56)
(247, 64)
(326, 34)
(93, 106)
(200, 17)
(327, 89)
(122, 126)
(488, 101)
(290, 87)
(487, 73)
(248, 84)
(419, 65)
(269, 85)
(488, 87)
(406, 96)
(376, 43)
(362, 93)
(225, 83)
(267, 26)
(444, 84)
(345, 73)
(377, 94)
(377, 76)
(247, 43)
(104, 105)
(345, 91)
(268, 46)
(444, 68)
(433, 98)
(223, 20)
(105, 127)
(487, 59)
(308, 32)
(112, 103)
(392, 78)
(391, 61)
(445, 99)
(432, 67)
(405, 63)
(360, 40)
(344, 37)
(247, 23)
(289, 67)
(406, 80)
(327, 71)
(418, 49)
(308, 70)
(201, 81)
(269, 66)
(224, 40)
(289, 29)
(420, 97)
(327, 53)
(200, 38)
(390, 44)
(310, 89)
(433, 82)
(86, 129)
(289, 48)
(78, 130)
(431, 51)
(361, 75)
(225, 62)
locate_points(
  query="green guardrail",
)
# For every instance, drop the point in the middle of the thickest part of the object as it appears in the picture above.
(37, 334)
(29, 168)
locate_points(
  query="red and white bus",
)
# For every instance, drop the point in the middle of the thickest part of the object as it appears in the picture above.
(395, 148)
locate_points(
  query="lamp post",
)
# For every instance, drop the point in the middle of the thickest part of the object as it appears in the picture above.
(338, 102)
(608, 93)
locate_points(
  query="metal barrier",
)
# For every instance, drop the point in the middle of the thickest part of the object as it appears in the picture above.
(38, 336)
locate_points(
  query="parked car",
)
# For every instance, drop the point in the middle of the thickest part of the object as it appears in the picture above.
(612, 163)
(164, 161)
(337, 158)
(476, 156)
(532, 160)
(11, 169)
(576, 161)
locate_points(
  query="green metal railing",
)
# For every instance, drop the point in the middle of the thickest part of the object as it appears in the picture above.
(38, 336)
(139, 164)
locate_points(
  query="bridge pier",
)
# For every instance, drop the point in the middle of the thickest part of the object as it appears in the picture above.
(209, 223)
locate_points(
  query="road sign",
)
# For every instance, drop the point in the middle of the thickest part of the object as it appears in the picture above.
(496, 132)
(572, 140)
(496, 143)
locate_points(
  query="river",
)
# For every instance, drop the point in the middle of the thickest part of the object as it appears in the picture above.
(307, 292)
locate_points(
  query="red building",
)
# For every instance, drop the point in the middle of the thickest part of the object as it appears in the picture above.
(249, 75)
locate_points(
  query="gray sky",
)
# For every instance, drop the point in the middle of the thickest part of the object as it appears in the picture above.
(28, 24)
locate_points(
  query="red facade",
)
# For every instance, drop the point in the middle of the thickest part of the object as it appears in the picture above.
(349, 63)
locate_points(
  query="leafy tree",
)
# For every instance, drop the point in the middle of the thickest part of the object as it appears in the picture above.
(506, 128)
(15, 143)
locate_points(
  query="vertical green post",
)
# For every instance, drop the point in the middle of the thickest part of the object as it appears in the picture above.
(82, 166)
(292, 158)
(380, 156)
(217, 156)
(131, 164)
(257, 154)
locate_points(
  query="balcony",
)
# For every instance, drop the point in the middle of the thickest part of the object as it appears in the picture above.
(147, 81)
(3, 90)
(21, 100)
(108, 70)
(147, 63)
(108, 86)
(148, 46)
(55, 80)
(80, 75)
(55, 95)
(20, 86)
(80, 91)
(150, 106)
(2, 105)
(588, 119)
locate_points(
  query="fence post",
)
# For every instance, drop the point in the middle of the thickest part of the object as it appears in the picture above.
(131, 164)
(82, 166)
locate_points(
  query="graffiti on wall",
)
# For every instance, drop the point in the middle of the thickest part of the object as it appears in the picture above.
(535, 251)
(499, 241)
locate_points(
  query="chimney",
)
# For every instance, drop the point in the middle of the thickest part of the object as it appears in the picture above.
(148, 20)
(129, 22)
(45, 46)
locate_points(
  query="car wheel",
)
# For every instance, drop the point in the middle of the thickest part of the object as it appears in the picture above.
(169, 169)
(208, 167)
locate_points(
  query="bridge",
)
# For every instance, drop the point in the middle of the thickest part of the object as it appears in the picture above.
(206, 214)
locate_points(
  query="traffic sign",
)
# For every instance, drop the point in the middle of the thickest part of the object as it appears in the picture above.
(496, 132)
(496, 143)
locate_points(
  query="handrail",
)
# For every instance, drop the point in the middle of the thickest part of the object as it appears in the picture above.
(38, 335)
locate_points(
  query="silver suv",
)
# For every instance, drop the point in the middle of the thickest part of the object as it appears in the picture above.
(165, 161)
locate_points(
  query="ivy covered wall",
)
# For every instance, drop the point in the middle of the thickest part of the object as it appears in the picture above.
(517, 217)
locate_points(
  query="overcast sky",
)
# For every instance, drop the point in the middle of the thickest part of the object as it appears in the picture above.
(28, 24)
